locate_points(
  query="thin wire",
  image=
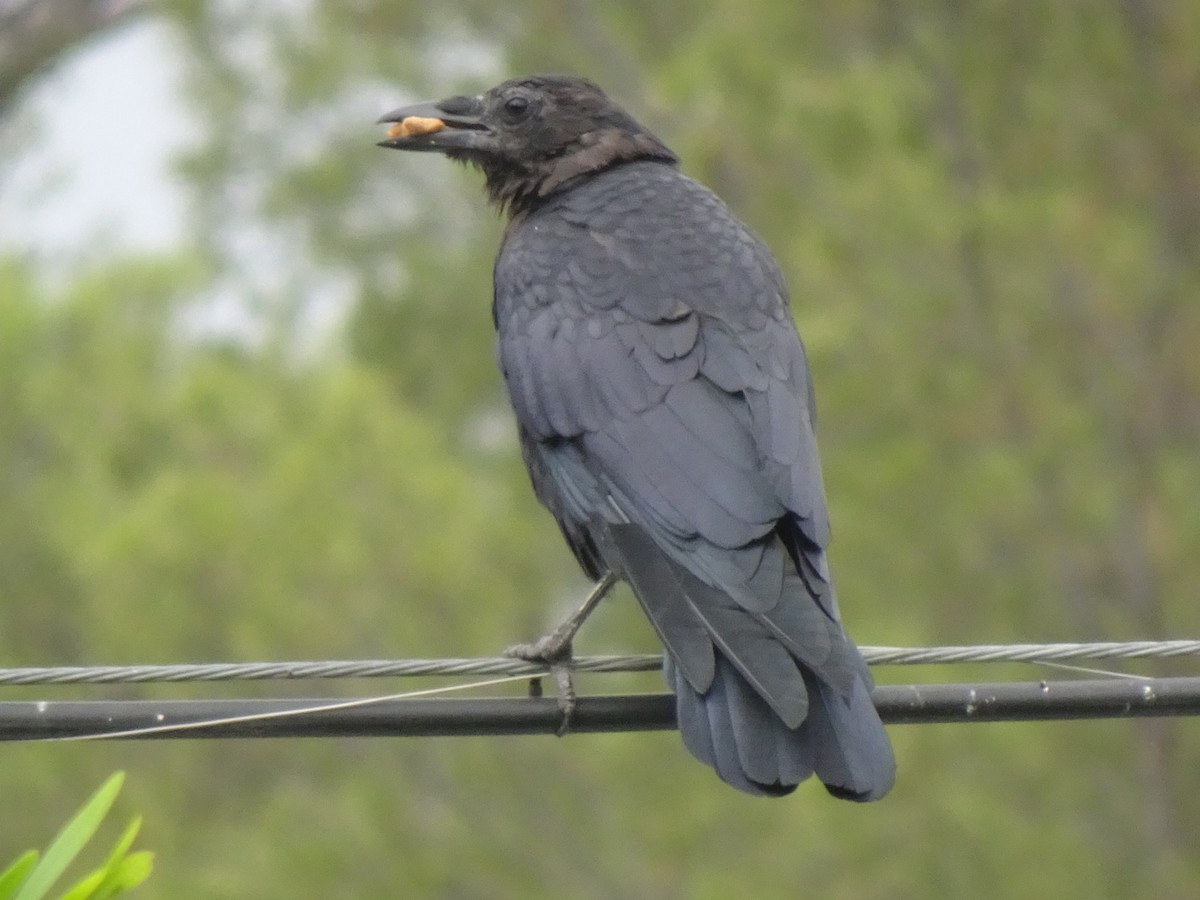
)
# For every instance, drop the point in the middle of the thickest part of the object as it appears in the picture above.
(378, 668)
(322, 707)
(1089, 670)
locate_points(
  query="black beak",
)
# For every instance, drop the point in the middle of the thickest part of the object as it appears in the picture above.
(453, 124)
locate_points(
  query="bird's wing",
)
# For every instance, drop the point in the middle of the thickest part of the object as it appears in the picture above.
(664, 405)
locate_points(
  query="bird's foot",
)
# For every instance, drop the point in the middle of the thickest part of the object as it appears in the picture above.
(553, 650)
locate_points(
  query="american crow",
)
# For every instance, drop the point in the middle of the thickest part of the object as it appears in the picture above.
(665, 414)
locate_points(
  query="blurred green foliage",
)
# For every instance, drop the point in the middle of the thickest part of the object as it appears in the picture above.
(989, 215)
(33, 874)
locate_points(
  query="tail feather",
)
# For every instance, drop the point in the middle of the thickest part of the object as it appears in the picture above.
(732, 729)
(766, 755)
(766, 696)
(853, 756)
(696, 620)
(735, 733)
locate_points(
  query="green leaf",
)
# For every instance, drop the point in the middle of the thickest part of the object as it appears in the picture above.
(12, 877)
(87, 887)
(124, 842)
(123, 872)
(126, 875)
(71, 839)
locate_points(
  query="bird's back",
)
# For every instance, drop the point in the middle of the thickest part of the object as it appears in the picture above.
(666, 416)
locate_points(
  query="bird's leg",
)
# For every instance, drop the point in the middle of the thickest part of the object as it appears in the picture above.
(557, 644)
(554, 649)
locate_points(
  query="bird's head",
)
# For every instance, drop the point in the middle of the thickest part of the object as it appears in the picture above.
(529, 136)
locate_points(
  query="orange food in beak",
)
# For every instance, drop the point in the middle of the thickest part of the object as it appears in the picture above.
(415, 125)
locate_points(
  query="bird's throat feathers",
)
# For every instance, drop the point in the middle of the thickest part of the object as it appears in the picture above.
(521, 185)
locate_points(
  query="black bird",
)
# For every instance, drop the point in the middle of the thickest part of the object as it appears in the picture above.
(666, 416)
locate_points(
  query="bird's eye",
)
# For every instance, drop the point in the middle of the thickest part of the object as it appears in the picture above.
(516, 107)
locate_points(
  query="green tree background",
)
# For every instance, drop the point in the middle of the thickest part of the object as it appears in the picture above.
(989, 216)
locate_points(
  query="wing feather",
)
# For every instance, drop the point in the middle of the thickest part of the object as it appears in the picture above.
(667, 416)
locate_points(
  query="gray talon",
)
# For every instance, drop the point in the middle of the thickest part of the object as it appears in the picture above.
(554, 652)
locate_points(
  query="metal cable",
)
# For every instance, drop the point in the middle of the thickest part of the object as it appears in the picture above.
(366, 668)
(395, 716)
(909, 656)
(377, 668)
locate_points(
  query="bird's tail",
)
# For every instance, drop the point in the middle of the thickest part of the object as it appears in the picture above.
(766, 697)
(731, 728)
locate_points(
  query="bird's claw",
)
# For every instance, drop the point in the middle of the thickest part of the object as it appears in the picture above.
(553, 651)
(549, 648)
